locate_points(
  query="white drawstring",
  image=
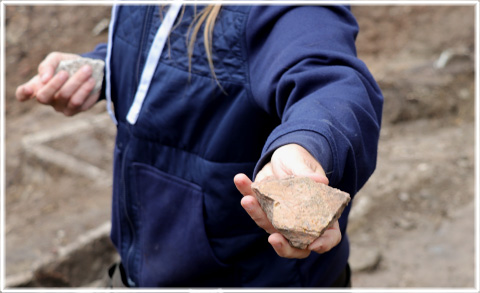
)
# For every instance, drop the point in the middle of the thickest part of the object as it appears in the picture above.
(152, 61)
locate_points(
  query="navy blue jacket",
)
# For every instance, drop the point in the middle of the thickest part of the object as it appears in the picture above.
(291, 75)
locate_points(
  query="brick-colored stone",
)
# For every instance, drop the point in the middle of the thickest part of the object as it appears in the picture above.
(300, 208)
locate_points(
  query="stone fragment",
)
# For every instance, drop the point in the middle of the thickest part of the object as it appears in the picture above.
(71, 66)
(364, 259)
(101, 26)
(300, 208)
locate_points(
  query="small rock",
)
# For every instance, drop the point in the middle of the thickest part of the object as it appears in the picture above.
(405, 224)
(71, 66)
(60, 233)
(403, 196)
(425, 194)
(423, 167)
(364, 259)
(100, 27)
(359, 212)
(300, 208)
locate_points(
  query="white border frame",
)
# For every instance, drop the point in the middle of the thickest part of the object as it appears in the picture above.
(2, 145)
(474, 3)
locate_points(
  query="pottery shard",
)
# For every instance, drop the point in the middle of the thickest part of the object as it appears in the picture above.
(300, 208)
(71, 66)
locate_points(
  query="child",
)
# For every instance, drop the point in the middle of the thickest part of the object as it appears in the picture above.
(225, 91)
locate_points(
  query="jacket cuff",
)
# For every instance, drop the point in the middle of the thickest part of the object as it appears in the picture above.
(315, 143)
(100, 52)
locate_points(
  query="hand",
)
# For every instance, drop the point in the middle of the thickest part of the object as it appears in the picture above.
(69, 95)
(287, 160)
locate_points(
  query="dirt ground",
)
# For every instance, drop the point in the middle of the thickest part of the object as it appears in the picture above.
(412, 225)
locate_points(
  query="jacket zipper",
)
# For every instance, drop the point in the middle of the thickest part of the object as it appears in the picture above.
(126, 210)
(131, 250)
(142, 44)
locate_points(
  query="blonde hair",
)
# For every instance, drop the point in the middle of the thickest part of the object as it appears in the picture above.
(207, 16)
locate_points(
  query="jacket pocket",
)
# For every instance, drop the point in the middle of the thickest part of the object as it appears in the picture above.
(173, 246)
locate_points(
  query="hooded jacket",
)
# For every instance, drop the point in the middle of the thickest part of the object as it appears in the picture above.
(288, 75)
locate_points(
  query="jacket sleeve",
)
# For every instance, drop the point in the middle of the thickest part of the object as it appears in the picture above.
(304, 71)
(100, 52)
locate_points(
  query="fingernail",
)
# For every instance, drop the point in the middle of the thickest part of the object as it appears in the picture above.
(27, 90)
(248, 207)
(92, 80)
(44, 78)
(63, 75)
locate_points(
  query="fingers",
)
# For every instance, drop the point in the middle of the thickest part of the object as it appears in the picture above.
(265, 173)
(46, 94)
(75, 92)
(46, 69)
(79, 98)
(319, 178)
(279, 243)
(27, 90)
(283, 248)
(65, 94)
(243, 184)
(91, 100)
(74, 83)
(69, 95)
(250, 203)
(23, 93)
(254, 210)
(328, 240)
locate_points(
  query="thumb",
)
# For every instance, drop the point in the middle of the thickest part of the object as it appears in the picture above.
(28, 90)
(46, 69)
(319, 178)
(316, 174)
(293, 159)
